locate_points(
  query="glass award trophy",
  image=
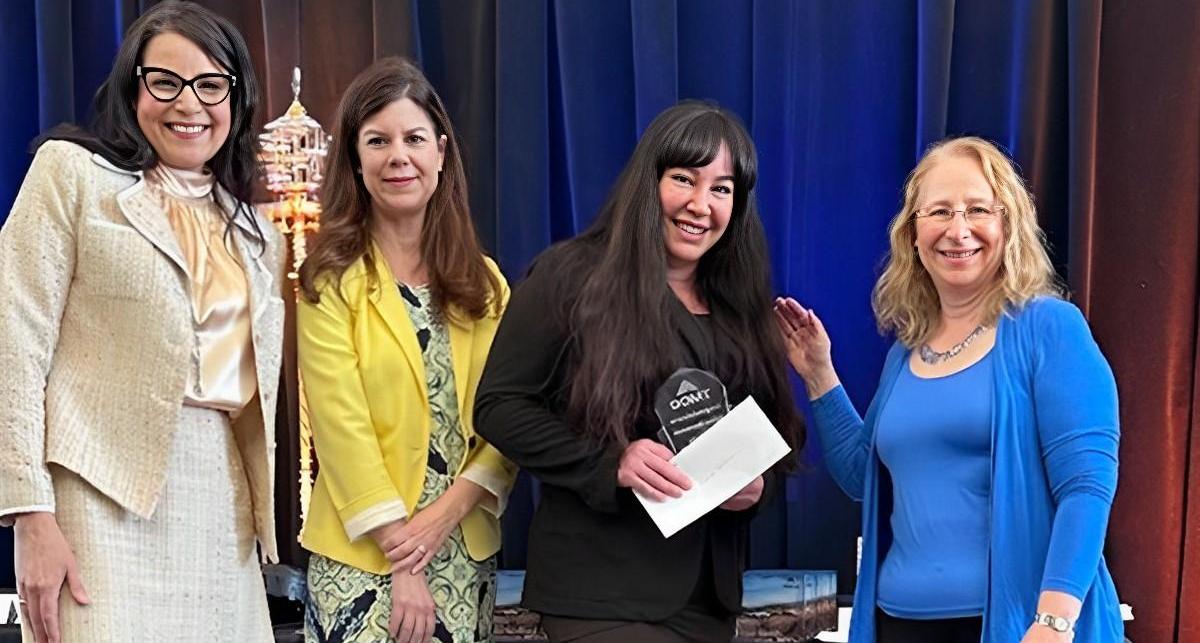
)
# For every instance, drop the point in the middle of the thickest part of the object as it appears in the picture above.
(690, 401)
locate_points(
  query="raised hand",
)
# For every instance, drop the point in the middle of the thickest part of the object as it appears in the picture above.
(808, 346)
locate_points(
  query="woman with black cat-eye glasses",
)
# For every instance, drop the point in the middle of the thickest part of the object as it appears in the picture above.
(140, 343)
(165, 85)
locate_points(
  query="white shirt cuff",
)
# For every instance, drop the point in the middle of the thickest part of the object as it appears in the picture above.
(496, 486)
(378, 515)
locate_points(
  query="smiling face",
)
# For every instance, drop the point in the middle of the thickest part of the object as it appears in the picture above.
(697, 203)
(184, 132)
(962, 258)
(400, 156)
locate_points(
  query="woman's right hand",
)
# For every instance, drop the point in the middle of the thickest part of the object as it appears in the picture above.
(44, 561)
(808, 346)
(413, 617)
(646, 468)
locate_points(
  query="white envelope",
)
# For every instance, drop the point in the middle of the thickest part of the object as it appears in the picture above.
(726, 458)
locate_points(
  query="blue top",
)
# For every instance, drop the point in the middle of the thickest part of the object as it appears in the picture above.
(1054, 472)
(935, 438)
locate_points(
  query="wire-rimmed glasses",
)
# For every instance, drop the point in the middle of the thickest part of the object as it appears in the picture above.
(978, 213)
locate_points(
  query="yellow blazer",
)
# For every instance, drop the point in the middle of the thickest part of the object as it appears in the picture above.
(364, 380)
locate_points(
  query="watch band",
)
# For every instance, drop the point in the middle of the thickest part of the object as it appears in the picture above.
(1057, 623)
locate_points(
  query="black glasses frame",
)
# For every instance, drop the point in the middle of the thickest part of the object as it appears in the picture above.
(184, 84)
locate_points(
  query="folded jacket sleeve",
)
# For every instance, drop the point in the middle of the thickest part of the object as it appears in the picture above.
(1075, 400)
(352, 466)
(484, 465)
(513, 406)
(489, 469)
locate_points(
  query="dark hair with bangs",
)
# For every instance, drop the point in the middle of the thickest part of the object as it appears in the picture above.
(114, 132)
(459, 278)
(622, 310)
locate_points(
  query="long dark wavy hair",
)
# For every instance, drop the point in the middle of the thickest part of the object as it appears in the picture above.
(114, 132)
(622, 311)
(459, 278)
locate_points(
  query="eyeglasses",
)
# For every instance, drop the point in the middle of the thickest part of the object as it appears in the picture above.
(165, 85)
(972, 214)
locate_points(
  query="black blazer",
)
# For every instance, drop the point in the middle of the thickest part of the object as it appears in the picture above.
(593, 550)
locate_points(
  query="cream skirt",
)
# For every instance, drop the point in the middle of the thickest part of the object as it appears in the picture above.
(191, 572)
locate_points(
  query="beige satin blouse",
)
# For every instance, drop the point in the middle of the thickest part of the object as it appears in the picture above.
(223, 375)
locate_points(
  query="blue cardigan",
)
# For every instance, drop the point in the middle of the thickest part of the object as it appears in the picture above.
(1054, 448)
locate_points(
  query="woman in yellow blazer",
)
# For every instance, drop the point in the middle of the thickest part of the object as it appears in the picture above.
(398, 314)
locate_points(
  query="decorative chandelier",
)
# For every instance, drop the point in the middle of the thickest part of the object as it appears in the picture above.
(293, 149)
(292, 154)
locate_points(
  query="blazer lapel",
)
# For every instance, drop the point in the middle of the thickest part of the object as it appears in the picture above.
(387, 302)
(266, 308)
(461, 336)
(145, 214)
(259, 280)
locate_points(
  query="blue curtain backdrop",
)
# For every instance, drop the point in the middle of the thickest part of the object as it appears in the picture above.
(841, 97)
(53, 58)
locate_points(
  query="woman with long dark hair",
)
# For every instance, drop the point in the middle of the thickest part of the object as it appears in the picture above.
(140, 344)
(673, 273)
(400, 306)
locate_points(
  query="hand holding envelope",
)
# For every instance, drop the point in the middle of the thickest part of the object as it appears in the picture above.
(747, 497)
(728, 456)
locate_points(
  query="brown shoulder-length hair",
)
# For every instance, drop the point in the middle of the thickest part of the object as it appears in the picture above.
(459, 278)
(905, 300)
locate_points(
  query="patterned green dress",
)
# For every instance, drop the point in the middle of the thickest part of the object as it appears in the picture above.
(350, 605)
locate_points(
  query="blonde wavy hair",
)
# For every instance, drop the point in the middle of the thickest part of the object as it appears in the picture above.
(905, 300)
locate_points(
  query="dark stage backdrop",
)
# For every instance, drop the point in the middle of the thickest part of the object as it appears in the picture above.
(1098, 102)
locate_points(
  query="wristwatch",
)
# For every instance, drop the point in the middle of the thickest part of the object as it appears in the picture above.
(1056, 623)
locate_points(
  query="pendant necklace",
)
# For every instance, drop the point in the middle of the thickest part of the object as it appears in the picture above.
(930, 356)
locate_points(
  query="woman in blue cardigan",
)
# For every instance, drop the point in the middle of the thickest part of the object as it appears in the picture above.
(987, 461)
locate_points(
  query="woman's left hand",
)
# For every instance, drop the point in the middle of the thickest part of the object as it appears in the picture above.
(745, 498)
(415, 544)
(1042, 634)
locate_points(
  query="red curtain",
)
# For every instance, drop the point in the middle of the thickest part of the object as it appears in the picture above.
(1135, 234)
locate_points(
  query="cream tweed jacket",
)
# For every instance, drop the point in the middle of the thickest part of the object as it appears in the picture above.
(96, 339)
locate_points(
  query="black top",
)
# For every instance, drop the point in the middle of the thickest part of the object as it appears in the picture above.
(593, 550)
